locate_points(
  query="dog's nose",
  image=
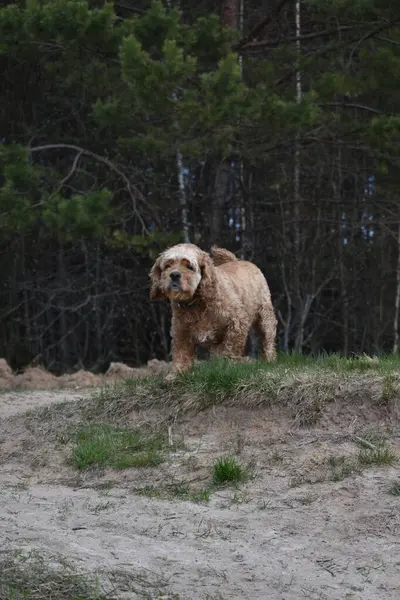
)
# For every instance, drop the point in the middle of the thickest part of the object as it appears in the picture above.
(175, 276)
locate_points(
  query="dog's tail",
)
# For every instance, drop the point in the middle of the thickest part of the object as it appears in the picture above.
(221, 256)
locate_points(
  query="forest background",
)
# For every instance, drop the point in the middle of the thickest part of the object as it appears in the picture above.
(270, 127)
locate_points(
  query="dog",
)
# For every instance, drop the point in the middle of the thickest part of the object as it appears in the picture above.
(215, 301)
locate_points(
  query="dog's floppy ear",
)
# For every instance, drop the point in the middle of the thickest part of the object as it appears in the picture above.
(207, 269)
(155, 276)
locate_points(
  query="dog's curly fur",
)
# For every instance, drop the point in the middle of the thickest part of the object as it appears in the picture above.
(215, 301)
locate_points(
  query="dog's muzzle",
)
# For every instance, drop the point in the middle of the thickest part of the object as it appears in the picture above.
(175, 277)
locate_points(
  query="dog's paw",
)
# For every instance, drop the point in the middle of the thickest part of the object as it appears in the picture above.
(171, 376)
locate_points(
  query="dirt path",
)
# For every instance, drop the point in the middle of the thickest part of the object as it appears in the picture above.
(269, 540)
(16, 403)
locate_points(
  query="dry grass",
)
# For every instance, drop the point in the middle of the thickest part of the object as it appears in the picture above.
(37, 576)
(31, 578)
(179, 491)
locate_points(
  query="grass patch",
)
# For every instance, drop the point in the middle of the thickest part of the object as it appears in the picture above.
(227, 470)
(381, 455)
(106, 446)
(374, 450)
(220, 377)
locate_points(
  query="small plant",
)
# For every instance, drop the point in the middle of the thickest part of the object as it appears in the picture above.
(306, 500)
(275, 458)
(101, 445)
(342, 467)
(395, 488)
(298, 481)
(240, 498)
(265, 504)
(389, 388)
(228, 470)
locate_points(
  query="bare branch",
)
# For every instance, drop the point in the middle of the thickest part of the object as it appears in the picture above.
(351, 105)
(294, 38)
(370, 34)
(132, 190)
(388, 40)
(71, 172)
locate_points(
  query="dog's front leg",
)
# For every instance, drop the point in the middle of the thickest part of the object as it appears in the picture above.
(183, 352)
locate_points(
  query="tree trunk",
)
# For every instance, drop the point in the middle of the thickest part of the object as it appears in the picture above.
(221, 188)
(97, 304)
(300, 306)
(61, 306)
(182, 198)
(298, 344)
(229, 15)
(27, 320)
(243, 224)
(397, 298)
(86, 341)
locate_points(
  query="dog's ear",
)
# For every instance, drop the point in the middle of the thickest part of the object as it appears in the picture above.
(207, 269)
(155, 276)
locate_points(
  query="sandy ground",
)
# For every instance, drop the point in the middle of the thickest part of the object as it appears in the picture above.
(17, 403)
(270, 539)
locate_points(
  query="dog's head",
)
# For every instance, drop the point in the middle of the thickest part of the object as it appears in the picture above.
(179, 272)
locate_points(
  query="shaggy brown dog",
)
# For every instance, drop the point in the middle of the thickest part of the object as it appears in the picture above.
(215, 301)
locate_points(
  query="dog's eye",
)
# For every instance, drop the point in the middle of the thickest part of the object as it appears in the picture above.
(190, 267)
